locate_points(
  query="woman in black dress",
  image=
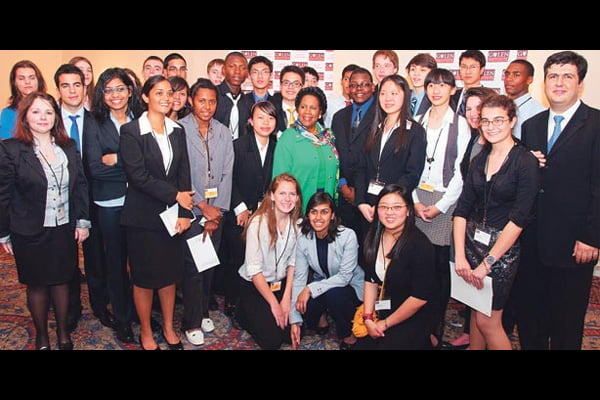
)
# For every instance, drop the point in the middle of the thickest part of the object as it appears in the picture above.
(494, 206)
(154, 155)
(43, 211)
(400, 258)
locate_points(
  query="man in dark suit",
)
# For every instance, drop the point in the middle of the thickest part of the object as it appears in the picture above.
(69, 82)
(560, 248)
(471, 64)
(291, 80)
(351, 127)
(231, 110)
(260, 70)
(416, 70)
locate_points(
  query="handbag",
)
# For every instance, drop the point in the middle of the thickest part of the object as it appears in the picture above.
(359, 329)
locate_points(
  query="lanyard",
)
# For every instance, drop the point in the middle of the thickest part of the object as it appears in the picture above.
(284, 247)
(62, 170)
(431, 159)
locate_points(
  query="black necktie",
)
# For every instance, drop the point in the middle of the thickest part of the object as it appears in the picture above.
(355, 123)
(461, 107)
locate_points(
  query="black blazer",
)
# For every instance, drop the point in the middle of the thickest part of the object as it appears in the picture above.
(224, 106)
(151, 190)
(351, 149)
(23, 188)
(424, 106)
(568, 203)
(282, 121)
(246, 104)
(454, 99)
(403, 168)
(251, 179)
(100, 138)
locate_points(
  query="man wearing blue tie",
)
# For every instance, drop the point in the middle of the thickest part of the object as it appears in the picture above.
(69, 82)
(560, 247)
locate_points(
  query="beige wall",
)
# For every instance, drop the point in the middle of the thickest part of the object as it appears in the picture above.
(49, 60)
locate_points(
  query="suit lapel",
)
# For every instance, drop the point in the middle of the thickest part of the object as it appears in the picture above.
(570, 130)
(31, 159)
(313, 257)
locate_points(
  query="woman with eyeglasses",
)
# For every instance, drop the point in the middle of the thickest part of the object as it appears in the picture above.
(153, 153)
(327, 252)
(307, 150)
(114, 103)
(399, 276)
(495, 205)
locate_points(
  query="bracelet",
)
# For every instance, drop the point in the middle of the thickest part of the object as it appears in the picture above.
(367, 317)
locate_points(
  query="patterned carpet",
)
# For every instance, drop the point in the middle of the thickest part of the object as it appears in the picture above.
(17, 332)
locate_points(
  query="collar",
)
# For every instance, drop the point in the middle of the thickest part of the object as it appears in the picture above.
(519, 101)
(567, 114)
(66, 114)
(257, 99)
(364, 106)
(146, 128)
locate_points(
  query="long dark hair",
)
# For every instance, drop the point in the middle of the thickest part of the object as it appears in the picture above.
(22, 128)
(178, 83)
(268, 108)
(378, 125)
(99, 108)
(318, 199)
(373, 237)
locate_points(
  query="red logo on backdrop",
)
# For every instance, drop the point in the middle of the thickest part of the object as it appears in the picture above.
(316, 56)
(522, 54)
(444, 57)
(456, 73)
(321, 76)
(277, 75)
(488, 75)
(249, 53)
(328, 66)
(328, 85)
(300, 64)
(498, 55)
(282, 55)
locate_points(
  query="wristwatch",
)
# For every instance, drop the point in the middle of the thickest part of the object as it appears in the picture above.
(490, 260)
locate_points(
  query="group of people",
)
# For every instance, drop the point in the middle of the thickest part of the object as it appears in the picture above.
(316, 205)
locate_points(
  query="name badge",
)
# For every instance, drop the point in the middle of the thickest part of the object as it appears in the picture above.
(375, 187)
(482, 237)
(211, 193)
(427, 187)
(61, 215)
(383, 305)
(276, 286)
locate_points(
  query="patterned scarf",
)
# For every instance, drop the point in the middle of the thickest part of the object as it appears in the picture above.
(324, 137)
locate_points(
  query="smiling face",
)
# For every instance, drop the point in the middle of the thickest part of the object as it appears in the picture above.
(417, 74)
(26, 80)
(204, 104)
(152, 67)
(309, 111)
(472, 111)
(361, 88)
(71, 91)
(180, 98)
(88, 72)
(284, 197)
(116, 95)
(320, 217)
(263, 123)
(40, 117)
(160, 98)
(500, 126)
(391, 97)
(392, 212)
(291, 83)
(439, 93)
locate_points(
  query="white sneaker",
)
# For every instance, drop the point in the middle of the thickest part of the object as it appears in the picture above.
(207, 325)
(195, 337)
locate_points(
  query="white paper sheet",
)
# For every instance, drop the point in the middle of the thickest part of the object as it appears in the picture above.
(480, 300)
(203, 253)
(169, 218)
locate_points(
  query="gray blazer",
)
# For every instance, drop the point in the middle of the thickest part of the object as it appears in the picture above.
(342, 260)
(220, 148)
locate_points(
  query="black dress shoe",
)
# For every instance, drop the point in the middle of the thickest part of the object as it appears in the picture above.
(346, 346)
(142, 345)
(176, 346)
(125, 334)
(107, 319)
(65, 346)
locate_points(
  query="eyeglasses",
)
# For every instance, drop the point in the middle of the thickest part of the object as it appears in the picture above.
(110, 90)
(472, 66)
(495, 122)
(295, 84)
(396, 208)
(173, 68)
(363, 85)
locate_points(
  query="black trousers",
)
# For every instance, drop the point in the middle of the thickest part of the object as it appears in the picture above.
(254, 314)
(552, 302)
(231, 253)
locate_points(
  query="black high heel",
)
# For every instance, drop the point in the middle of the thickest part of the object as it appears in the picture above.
(176, 346)
(142, 345)
(67, 346)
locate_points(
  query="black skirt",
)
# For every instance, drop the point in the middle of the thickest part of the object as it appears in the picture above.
(503, 271)
(155, 258)
(49, 258)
